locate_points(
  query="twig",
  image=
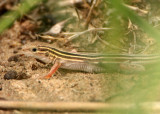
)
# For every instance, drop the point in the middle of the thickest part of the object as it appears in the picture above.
(79, 106)
(69, 33)
(48, 37)
(90, 12)
(83, 32)
(77, 14)
(136, 9)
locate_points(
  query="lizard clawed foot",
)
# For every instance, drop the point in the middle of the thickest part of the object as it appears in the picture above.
(45, 77)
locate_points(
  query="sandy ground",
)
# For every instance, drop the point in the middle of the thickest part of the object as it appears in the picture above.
(65, 85)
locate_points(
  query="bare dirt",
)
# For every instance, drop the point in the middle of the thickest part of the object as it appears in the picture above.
(65, 85)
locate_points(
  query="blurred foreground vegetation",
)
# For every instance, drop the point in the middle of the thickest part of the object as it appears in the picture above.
(146, 86)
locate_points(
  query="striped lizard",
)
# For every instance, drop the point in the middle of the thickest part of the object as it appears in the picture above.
(94, 62)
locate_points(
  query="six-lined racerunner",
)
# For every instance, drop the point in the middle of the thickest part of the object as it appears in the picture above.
(94, 62)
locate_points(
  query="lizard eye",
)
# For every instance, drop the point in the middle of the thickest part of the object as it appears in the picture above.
(34, 49)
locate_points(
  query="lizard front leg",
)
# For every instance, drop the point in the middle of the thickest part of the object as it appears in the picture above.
(54, 68)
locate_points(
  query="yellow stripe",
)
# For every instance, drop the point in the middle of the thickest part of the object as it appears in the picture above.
(75, 56)
(96, 58)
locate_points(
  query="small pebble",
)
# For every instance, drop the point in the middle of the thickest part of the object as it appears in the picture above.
(1, 98)
(34, 67)
(10, 75)
(15, 51)
(13, 58)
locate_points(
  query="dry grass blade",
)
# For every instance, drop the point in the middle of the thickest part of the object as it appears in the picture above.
(136, 9)
(90, 12)
(83, 32)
